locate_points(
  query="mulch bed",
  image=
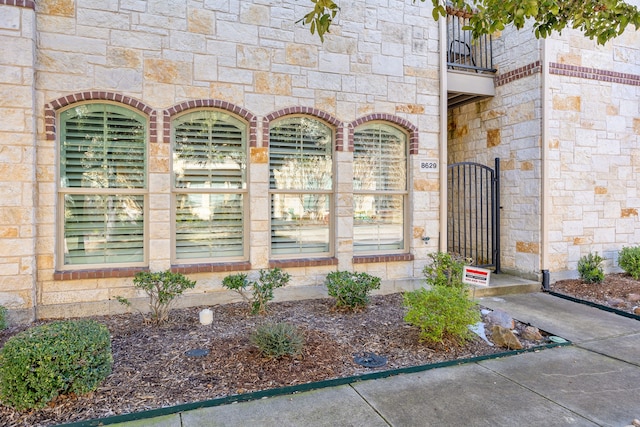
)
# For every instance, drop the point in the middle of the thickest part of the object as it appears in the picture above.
(151, 369)
(619, 291)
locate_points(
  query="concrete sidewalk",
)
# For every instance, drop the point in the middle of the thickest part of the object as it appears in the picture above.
(595, 382)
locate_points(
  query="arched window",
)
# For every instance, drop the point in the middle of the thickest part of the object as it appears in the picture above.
(301, 187)
(103, 185)
(380, 189)
(210, 184)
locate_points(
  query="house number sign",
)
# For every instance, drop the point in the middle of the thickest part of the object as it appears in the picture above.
(429, 165)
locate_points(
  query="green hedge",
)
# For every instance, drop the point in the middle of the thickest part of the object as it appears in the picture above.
(41, 363)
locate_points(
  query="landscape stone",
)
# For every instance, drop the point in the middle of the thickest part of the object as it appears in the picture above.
(504, 337)
(501, 318)
(531, 333)
(633, 297)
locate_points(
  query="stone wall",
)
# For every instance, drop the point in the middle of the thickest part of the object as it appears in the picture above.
(508, 126)
(380, 61)
(17, 158)
(594, 149)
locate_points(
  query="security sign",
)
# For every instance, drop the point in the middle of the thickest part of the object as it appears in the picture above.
(475, 276)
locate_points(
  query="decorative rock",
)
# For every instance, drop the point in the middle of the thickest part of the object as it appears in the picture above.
(636, 422)
(501, 318)
(636, 310)
(503, 337)
(531, 333)
(633, 297)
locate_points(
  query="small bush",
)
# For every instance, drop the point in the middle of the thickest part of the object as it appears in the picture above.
(4, 324)
(629, 261)
(441, 312)
(275, 340)
(351, 290)
(444, 269)
(162, 288)
(46, 361)
(590, 268)
(261, 290)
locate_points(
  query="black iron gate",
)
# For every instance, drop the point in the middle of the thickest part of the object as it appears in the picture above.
(473, 213)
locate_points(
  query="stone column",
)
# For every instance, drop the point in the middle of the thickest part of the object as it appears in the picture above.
(17, 160)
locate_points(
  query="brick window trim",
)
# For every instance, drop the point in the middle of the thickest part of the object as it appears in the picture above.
(211, 268)
(309, 111)
(366, 259)
(210, 103)
(102, 273)
(302, 262)
(55, 105)
(389, 118)
(28, 4)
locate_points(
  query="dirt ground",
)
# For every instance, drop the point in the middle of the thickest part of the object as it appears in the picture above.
(152, 370)
(618, 291)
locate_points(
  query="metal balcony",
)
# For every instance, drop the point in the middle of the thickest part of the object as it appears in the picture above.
(470, 67)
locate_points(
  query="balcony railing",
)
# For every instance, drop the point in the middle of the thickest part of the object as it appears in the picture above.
(464, 52)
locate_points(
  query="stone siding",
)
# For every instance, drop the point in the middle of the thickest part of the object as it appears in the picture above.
(594, 149)
(159, 56)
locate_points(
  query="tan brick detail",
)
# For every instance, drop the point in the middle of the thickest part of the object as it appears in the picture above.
(122, 57)
(566, 103)
(600, 190)
(460, 131)
(570, 58)
(612, 110)
(581, 241)
(9, 232)
(201, 21)
(629, 212)
(165, 71)
(426, 185)
(554, 144)
(418, 232)
(507, 165)
(254, 58)
(410, 109)
(636, 126)
(57, 7)
(526, 166)
(273, 84)
(493, 138)
(302, 55)
(259, 155)
(527, 247)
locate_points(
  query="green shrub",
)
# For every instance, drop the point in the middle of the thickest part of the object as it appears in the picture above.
(629, 261)
(4, 324)
(444, 269)
(162, 288)
(441, 312)
(590, 268)
(261, 290)
(275, 340)
(46, 361)
(351, 290)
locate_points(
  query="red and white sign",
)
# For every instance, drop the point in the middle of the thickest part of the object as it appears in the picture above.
(475, 276)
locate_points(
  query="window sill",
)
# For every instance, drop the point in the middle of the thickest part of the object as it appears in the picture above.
(302, 262)
(102, 273)
(211, 268)
(364, 259)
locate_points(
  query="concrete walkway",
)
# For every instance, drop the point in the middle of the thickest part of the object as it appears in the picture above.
(594, 382)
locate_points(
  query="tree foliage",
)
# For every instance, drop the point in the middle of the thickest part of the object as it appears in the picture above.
(601, 20)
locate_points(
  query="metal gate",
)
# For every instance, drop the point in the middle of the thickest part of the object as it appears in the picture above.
(473, 213)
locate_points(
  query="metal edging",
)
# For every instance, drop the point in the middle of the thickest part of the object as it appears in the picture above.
(282, 391)
(595, 305)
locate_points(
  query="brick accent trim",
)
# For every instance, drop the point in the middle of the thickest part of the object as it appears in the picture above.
(594, 74)
(403, 123)
(307, 111)
(51, 108)
(211, 268)
(365, 259)
(518, 73)
(27, 4)
(302, 262)
(98, 273)
(209, 103)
